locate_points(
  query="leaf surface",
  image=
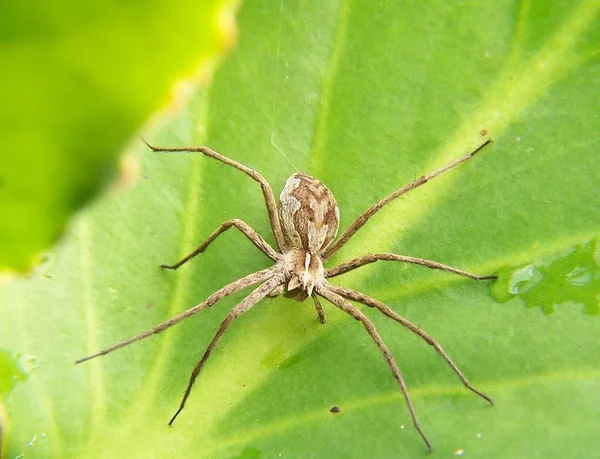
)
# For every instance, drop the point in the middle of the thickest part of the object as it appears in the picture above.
(366, 96)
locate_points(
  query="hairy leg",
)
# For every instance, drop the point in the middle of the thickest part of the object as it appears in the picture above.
(319, 309)
(373, 303)
(229, 289)
(276, 291)
(258, 294)
(358, 262)
(266, 188)
(246, 230)
(327, 292)
(364, 217)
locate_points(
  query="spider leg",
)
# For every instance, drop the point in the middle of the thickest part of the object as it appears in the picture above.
(358, 262)
(266, 188)
(327, 292)
(246, 230)
(276, 291)
(254, 297)
(319, 309)
(229, 289)
(364, 217)
(373, 303)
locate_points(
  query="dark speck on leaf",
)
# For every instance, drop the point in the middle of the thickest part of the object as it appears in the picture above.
(335, 409)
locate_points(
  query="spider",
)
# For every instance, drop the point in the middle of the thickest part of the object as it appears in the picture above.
(305, 225)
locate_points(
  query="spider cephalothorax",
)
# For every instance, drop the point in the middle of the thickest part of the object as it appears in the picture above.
(305, 226)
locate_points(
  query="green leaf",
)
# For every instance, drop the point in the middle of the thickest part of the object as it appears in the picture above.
(573, 278)
(366, 96)
(78, 80)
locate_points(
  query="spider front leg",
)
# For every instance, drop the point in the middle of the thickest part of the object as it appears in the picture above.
(264, 185)
(358, 262)
(365, 216)
(246, 230)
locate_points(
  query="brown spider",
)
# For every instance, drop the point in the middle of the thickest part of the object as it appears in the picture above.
(304, 228)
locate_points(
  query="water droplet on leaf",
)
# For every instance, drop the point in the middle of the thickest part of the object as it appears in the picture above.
(571, 278)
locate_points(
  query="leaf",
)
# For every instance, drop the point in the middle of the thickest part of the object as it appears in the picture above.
(573, 278)
(80, 79)
(366, 97)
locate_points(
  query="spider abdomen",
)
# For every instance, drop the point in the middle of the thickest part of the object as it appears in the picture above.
(309, 213)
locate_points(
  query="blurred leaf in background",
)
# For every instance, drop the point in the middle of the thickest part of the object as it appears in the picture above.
(78, 80)
(366, 96)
